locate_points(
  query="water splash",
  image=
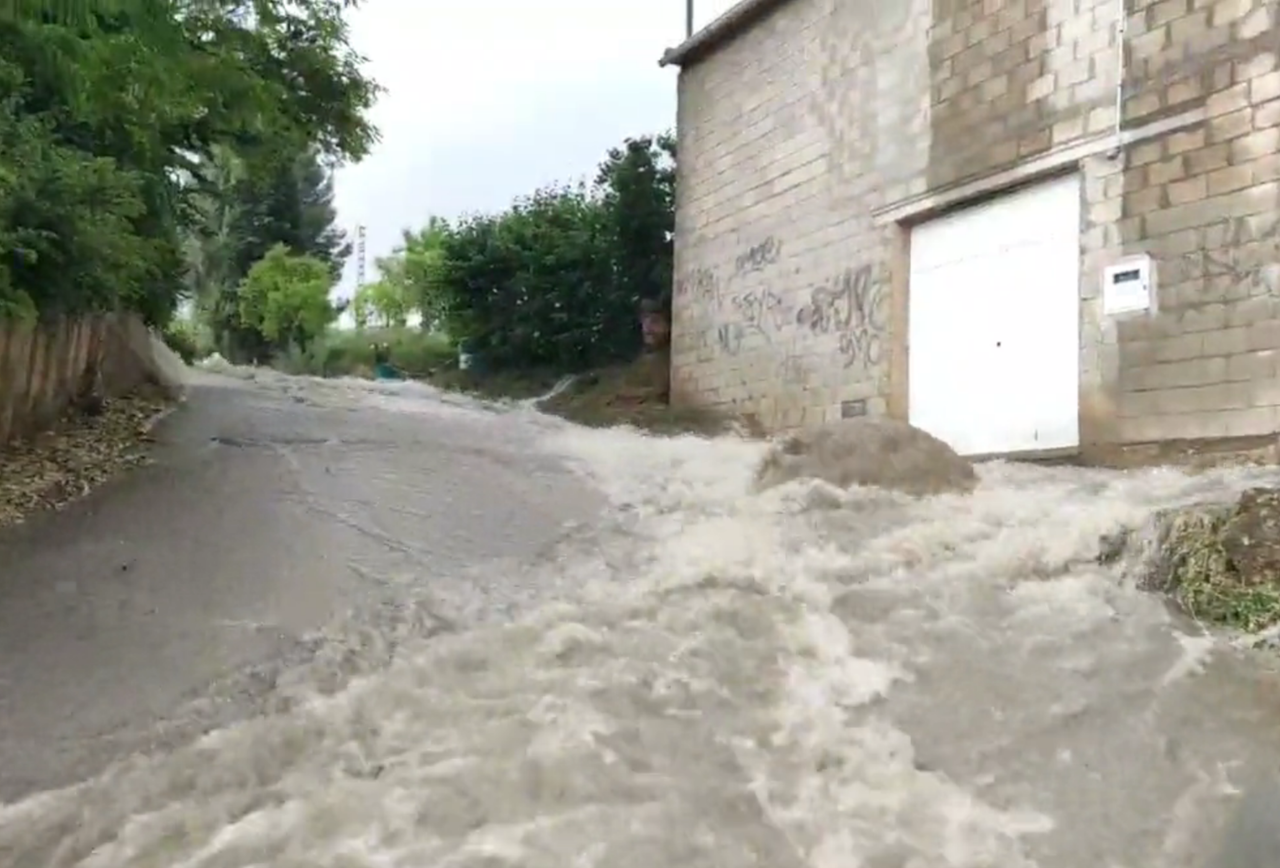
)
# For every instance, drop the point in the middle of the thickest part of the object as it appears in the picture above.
(711, 677)
(555, 391)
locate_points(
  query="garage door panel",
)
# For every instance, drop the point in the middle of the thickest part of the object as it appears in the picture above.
(993, 341)
(941, 307)
(1039, 356)
(1015, 219)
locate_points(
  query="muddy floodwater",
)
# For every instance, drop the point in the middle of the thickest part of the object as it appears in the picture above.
(682, 673)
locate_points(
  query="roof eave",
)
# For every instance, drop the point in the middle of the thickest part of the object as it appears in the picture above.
(737, 19)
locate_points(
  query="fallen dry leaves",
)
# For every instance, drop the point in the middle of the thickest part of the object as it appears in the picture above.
(80, 453)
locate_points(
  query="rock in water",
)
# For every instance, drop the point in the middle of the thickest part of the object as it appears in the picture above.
(1251, 536)
(1220, 562)
(873, 451)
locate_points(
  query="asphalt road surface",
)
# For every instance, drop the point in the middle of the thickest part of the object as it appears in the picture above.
(267, 515)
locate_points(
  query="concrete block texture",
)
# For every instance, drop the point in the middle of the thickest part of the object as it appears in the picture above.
(1204, 365)
(799, 133)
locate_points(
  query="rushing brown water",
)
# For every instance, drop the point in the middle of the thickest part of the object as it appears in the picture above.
(709, 677)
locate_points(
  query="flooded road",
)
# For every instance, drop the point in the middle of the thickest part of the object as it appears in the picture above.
(593, 648)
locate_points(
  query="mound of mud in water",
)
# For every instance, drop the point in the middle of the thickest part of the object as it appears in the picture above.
(1220, 562)
(883, 453)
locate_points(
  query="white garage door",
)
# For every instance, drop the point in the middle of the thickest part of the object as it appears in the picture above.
(994, 322)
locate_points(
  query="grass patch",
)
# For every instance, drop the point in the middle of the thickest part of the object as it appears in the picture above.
(1206, 581)
(349, 353)
(431, 358)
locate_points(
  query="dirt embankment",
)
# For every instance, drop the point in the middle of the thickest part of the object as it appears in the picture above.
(625, 395)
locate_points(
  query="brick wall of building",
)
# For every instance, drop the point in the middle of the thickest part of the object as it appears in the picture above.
(1204, 202)
(800, 134)
(788, 135)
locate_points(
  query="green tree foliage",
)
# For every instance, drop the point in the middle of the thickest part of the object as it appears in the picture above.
(637, 184)
(282, 197)
(288, 199)
(65, 11)
(116, 118)
(285, 297)
(210, 240)
(419, 266)
(383, 304)
(557, 279)
(534, 285)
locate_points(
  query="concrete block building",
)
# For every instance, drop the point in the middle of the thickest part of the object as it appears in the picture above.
(1027, 226)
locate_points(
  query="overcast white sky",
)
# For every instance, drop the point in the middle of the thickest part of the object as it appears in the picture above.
(489, 99)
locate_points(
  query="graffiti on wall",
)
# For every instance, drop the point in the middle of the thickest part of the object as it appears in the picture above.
(760, 310)
(729, 337)
(1245, 251)
(745, 306)
(758, 257)
(701, 286)
(745, 310)
(852, 306)
(757, 312)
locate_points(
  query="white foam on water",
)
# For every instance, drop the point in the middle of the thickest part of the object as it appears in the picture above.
(806, 677)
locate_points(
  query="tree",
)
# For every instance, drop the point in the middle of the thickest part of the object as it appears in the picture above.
(638, 184)
(285, 297)
(211, 239)
(421, 268)
(112, 116)
(288, 199)
(410, 279)
(383, 302)
(71, 217)
(280, 197)
(535, 285)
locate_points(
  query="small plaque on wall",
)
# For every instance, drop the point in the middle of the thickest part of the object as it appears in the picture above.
(1127, 286)
(850, 409)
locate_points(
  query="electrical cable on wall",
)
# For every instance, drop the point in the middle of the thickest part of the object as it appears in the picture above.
(1122, 27)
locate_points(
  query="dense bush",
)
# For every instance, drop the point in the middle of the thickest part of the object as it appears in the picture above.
(556, 280)
(182, 338)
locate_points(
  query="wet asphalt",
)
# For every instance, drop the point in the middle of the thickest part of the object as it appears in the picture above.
(269, 512)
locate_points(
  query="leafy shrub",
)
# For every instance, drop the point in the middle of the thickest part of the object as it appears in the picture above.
(183, 339)
(556, 280)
